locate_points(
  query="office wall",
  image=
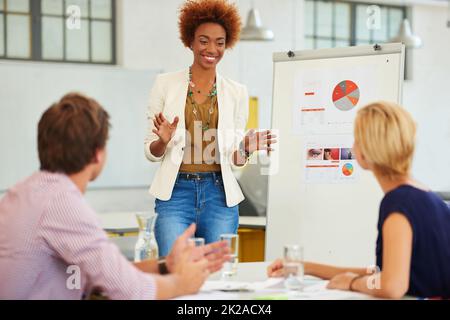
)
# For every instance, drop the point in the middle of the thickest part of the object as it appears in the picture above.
(148, 39)
(122, 92)
(425, 94)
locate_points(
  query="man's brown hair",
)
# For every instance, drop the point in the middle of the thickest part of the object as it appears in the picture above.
(70, 132)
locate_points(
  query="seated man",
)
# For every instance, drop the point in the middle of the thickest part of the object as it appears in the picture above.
(49, 235)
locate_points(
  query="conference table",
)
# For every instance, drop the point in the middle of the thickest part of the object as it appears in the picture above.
(251, 283)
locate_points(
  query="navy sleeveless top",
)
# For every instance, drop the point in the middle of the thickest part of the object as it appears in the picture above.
(429, 217)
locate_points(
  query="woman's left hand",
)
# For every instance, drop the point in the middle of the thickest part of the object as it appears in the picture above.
(276, 269)
(342, 281)
(255, 141)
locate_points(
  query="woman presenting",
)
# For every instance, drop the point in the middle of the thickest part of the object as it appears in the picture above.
(196, 129)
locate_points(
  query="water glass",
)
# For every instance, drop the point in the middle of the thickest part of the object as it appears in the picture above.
(293, 267)
(230, 267)
(197, 242)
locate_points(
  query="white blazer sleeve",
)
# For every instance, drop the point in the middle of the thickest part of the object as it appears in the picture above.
(240, 122)
(156, 105)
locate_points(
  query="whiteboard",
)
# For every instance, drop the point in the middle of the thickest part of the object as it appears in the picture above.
(332, 217)
(28, 89)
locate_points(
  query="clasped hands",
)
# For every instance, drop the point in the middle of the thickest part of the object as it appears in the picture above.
(190, 266)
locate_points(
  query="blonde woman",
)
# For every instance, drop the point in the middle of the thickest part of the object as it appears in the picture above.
(413, 245)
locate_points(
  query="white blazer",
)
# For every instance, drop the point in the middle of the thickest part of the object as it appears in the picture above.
(168, 96)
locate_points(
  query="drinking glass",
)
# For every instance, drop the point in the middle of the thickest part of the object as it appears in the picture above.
(293, 266)
(229, 270)
(198, 242)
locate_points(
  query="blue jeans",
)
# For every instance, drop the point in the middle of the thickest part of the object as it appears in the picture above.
(194, 201)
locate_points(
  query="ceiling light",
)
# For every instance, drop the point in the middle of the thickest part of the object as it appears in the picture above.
(254, 30)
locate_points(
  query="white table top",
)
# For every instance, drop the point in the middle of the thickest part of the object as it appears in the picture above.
(253, 275)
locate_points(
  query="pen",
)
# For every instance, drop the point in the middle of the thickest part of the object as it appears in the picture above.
(237, 290)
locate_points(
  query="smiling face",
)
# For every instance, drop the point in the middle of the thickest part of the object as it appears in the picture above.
(208, 45)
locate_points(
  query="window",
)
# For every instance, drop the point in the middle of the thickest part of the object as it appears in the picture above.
(15, 22)
(330, 23)
(62, 30)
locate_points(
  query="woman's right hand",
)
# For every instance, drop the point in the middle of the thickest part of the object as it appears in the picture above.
(163, 128)
(275, 269)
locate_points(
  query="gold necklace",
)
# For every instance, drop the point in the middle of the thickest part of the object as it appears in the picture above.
(196, 113)
(211, 95)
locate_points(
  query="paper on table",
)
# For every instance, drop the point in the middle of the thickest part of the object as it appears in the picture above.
(216, 295)
(239, 285)
(319, 291)
(270, 283)
(212, 290)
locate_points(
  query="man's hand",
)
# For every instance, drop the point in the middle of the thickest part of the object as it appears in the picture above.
(180, 244)
(215, 253)
(190, 275)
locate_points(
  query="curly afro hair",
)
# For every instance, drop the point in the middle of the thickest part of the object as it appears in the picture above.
(193, 13)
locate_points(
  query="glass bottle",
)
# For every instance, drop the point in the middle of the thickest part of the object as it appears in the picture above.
(146, 245)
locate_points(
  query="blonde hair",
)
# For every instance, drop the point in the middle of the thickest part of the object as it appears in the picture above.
(385, 134)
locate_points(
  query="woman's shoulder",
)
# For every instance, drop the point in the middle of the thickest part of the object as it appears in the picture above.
(408, 191)
(172, 76)
(409, 199)
(403, 194)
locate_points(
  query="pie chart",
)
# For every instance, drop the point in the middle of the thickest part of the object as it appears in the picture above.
(346, 95)
(347, 169)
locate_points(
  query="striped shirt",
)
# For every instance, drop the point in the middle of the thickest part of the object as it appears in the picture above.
(53, 247)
